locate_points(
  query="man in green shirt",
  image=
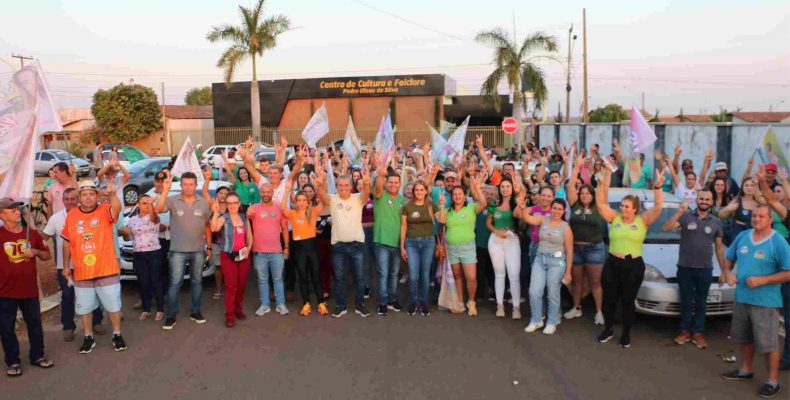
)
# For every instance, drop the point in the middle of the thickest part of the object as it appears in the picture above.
(386, 239)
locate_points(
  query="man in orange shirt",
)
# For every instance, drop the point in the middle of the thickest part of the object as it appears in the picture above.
(88, 244)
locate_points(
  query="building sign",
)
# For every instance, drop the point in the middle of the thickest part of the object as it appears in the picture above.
(369, 86)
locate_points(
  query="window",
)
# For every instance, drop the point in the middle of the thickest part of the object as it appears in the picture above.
(47, 157)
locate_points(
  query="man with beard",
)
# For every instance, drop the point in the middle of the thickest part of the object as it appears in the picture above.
(700, 231)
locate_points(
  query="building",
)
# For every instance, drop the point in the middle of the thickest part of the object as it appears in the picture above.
(741, 117)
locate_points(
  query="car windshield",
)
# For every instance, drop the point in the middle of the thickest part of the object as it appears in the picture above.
(138, 167)
(654, 233)
(62, 155)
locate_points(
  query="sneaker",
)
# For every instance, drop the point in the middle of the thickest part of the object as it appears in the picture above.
(500, 311)
(736, 375)
(282, 309)
(768, 390)
(605, 336)
(87, 345)
(549, 329)
(700, 341)
(367, 292)
(573, 313)
(306, 310)
(424, 311)
(516, 313)
(118, 344)
(625, 341)
(322, 310)
(198, 318)
(339, 312)
(170, 322)
(683, 337)
(471, 307)
(395, 306)
(599, 318)
(382, 310)
(412, 309)
(362, 310)
(533, 326)
(98, 329)
(68, 335)
(262, 310)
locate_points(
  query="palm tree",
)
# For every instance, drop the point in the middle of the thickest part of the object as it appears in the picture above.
(249, 39)
(515, 64)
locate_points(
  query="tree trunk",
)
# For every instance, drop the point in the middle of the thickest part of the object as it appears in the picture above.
(518, 112)
(255, 104)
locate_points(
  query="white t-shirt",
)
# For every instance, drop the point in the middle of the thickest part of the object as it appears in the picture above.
(690, 195)
(279, 191)
(164, 219)
(53, 228)
(346, 219)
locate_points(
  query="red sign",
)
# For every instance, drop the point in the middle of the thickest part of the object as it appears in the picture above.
(510, 125)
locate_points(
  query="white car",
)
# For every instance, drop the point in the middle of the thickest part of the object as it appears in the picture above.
(213, 155)
(659, 294)
(125, 246)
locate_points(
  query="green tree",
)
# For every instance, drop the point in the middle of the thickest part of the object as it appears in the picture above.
(198, 97)
(722, 116)
(610, 113)
(126, 112)
(250, 39)
(515, 64)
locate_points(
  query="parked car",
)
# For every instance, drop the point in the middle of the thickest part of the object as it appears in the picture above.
(213, 155)
(141, 178)
(126, 248)
(48, 158)
(659, 294)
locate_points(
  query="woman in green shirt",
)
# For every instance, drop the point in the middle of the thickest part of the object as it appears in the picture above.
(504, 247)
(624, 268)
(460, 221)
(242, 184)
(417, 246)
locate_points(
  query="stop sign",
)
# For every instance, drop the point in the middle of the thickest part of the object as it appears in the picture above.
(510, 125)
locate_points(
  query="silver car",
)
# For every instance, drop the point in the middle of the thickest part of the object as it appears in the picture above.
(659, 294)
(46, 159)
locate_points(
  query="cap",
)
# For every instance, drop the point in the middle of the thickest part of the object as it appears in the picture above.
(160, 176)
(87, 185)
(7, 202)
(720, 166)
(450, 174)
(686, 162)
(770, 167)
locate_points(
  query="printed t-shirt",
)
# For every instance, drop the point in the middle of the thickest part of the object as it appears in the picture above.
(386, 221)
(90, 236)
(17, 273)
(303, 227)
(266, 228)
(461, 224)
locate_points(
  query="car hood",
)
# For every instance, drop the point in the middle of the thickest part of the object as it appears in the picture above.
(664, 256)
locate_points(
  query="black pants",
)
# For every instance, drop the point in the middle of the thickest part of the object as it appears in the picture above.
(484, 269)
(165, 250)
(148, 266)
(305, 254)
(620, 281)
(31, 312)
(289, 273)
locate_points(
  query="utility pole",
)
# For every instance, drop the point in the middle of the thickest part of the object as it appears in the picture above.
(568, 78)
(165, 131)
(21, 58)
(584, 38)
(643, 100)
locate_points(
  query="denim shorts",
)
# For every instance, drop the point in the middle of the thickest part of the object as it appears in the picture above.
(589, 254)
(89, 298)
(464, 253)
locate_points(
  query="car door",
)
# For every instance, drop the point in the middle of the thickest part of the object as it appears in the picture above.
(47, 161)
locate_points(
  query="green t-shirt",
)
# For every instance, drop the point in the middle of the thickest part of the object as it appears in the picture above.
(642, 182)
(779, 225)
(248, 192)
(386, 219)
(419, 221)
(502, 219)
(461, 225)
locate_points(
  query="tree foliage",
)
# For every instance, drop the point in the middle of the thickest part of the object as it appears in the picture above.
(198, 97)
(126, 112)
(722, 116)
(610, 113)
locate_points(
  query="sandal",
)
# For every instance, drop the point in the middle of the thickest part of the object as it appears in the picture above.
(144, 315)
(43, 363)
(14, 370)
(159, 316)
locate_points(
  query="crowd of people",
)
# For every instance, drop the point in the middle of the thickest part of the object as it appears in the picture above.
(320, 215)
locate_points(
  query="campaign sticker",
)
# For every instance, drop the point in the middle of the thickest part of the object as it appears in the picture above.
(578, 212)
(389, 203)
(759, 255)
(708, 230)
(634, 227)
(692, 226)
(415, 214)
(80, 223)
(180, 213)
(300, 221)
(744, 250)
(198, 213)
(80, 230)
(94, 222)
(264, 214)
(369, 206)
(497, 214)
(274, 214)
(587, 211)
(618, 226)
(88, 247)
(348, 207)
(462, 215)
(89, 260)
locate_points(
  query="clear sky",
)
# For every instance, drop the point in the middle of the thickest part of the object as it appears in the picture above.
(696, 55)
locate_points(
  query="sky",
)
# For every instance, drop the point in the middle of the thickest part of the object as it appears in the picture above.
(696, 56)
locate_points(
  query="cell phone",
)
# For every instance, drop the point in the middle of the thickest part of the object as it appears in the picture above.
(609, 163)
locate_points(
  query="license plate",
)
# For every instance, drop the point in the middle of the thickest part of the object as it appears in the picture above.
(714, 296)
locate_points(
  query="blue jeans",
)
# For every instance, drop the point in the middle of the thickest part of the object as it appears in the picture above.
(420, 252)
(263, 264)
(370, 257)
(387, 266)
(178, 264)
(31, 312)
(547, 273)
(786, 311)
(67, 305)
(351, 254)
(694, 284)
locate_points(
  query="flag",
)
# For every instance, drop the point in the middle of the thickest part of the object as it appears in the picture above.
(330, 179)
(187, 161)
(317, 127)
(133, 154)
(385, 137)
(26, 111)
(351, 145)
(444, 128)
(440, 148)
(641, 135)
(458, 137)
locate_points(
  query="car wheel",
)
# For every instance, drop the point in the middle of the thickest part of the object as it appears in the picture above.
(130, 195)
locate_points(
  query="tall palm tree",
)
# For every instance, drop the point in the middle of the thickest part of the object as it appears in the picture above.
(516, 65)
(250, 39)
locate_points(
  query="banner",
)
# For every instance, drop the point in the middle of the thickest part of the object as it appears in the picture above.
(26, 111)
(458, 137)
(330, 179)
(769, 151)
(317, 127)
(385, 137)
(641, 136)
(351, 145)
(187, 161)
(440, 148)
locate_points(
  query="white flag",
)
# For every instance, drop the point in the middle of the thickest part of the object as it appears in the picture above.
(330, 179)
(351, 145)
(440, 149)
(26, 111)
(317, 127)
(458, 137)
(186, 161)
(641, 135)
(385, 138)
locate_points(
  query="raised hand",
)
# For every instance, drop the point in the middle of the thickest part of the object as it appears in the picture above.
(435, 170)
(658, 155)
(215, 207)
(760, 174)
(479, 140)
(659, 178)
(678, 150)
(442, 201)
(709, 155)
(684, 206)
(521, 200)
(207, 173)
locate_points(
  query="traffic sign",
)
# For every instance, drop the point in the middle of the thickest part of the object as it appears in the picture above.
(510, 125)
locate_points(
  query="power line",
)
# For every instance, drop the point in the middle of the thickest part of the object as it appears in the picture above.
(408, 21)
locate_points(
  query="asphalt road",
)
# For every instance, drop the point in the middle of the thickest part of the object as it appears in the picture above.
(442, 356)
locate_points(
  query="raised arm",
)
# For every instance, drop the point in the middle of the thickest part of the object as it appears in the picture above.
(601, 197)
(378, 189)
(676, 158)
(672, 172)
(217, 221)
(364, 195)
(527, 216)
(207, 175)
(228, 169)
(301, 154)
(482, 150)
(320, 185)
(249, 164)
(477, 193)
(280, 151)
(705, 166)
(748, 171)
(161, 201)
(571, 193)
(672, 223)
(651, 215)
(769, 195)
